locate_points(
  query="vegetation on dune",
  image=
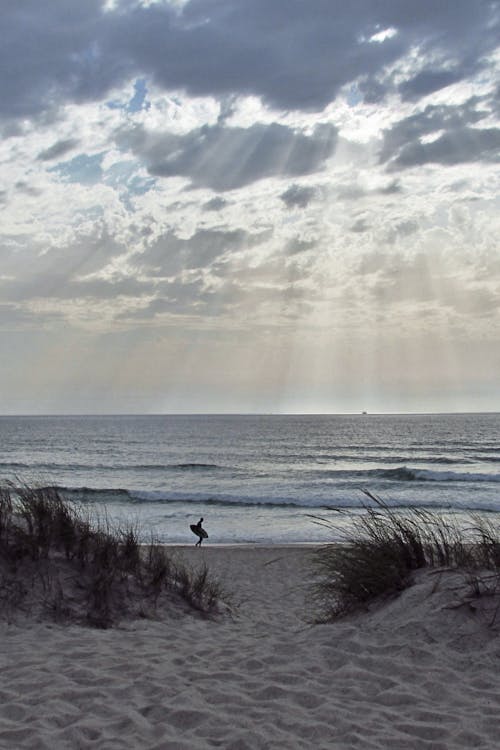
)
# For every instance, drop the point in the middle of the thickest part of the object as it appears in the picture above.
(384, 548)
(54, 561)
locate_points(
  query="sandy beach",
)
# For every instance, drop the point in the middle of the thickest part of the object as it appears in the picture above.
(416, 672)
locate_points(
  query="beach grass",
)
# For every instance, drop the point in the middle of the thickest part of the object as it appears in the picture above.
(55, 560)
(384, 547)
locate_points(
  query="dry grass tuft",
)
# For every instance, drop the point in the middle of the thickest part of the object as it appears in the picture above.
(54, 561)
(379, 556)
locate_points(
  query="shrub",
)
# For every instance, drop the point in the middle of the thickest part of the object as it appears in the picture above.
(156, 570)
(106, 573)
(197, 587)
(384, 548)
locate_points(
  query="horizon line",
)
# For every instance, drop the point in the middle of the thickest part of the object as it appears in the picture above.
(363, 413)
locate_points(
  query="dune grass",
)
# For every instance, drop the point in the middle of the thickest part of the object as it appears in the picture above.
(384, 548)
(55, 561)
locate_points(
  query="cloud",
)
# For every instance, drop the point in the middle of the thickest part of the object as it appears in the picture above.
(170, 254)
(460, 146)
(63, 65)
(392, 188)
(360, 226)
(276, 52)
(351, 192)
(296, 246)
(24, 187)
(292, 56)
(226, 158)
(298, 196)
(399, 278)
(33, 269)
(215, 204)
(14, 317)
(182, 298)
(441, 134)
(58, 149)
(427, 82)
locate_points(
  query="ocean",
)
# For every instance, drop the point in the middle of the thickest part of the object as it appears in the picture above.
(255, 479)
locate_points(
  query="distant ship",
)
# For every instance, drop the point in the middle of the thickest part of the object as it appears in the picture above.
(364, 412)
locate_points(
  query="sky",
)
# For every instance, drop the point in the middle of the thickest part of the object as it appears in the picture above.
(249, 206)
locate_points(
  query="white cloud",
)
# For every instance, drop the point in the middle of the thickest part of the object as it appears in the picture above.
(381, 36)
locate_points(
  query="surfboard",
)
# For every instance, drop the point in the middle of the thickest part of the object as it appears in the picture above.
(199, 532)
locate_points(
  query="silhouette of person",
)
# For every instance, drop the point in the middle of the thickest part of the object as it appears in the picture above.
(200, 532)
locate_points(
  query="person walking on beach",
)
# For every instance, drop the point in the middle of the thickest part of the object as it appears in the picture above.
(200, 532)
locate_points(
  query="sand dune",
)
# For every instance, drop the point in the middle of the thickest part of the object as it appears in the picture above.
(417, 672)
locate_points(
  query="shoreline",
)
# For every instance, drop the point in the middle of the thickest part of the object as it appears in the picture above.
(244, 545)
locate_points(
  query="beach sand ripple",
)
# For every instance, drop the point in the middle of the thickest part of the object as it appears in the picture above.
(417, 672)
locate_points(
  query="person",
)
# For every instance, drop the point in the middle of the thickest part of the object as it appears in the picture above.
(200, 532)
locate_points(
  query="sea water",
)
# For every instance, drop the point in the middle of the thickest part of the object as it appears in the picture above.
(256, 478)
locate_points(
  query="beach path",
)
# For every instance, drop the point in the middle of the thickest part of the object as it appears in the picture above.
(417, 672)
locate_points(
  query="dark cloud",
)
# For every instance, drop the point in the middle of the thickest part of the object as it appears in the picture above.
(280, 52)
(58, 149)
(456, 140)
(24, 187)
(50, 55)
(405, 228)
(298, 196)
(360, 226)
(296, 246)
(215, 204)
(354, 191)
(56, 273)
(397, 230)
(294, 55)
(179, 297)
(428, 81)
(170, 254)
(495, 100)
(392, 188)
(36, 270)
(372, 91)
(225, 158)
(457, 147)
(430, 120)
